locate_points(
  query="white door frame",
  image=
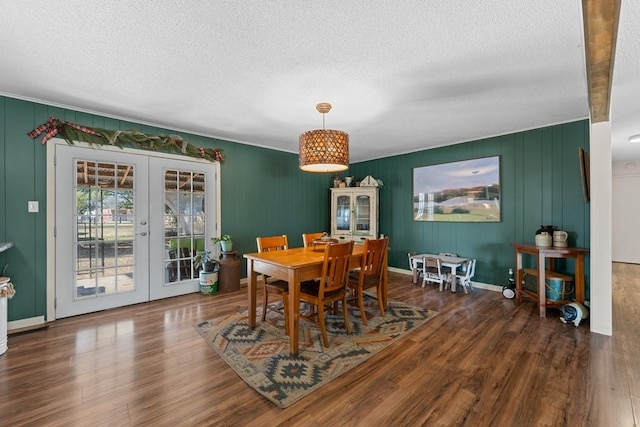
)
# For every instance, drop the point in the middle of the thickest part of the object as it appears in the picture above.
(51, 206)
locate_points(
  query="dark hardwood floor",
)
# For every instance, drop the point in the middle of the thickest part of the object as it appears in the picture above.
(483, 361)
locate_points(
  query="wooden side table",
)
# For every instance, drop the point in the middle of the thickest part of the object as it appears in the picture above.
(544, 254)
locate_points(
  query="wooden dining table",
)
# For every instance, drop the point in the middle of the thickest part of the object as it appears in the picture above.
(294, 266)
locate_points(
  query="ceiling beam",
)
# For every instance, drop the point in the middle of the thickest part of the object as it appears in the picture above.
(600, 21)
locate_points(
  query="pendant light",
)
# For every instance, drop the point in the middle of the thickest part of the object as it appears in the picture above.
(324, 150)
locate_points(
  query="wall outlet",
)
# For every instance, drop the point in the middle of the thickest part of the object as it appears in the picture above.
(33, 206)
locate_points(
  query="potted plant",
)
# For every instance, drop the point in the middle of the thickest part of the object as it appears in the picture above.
(208, 275)
(204, 261)
(226, 242)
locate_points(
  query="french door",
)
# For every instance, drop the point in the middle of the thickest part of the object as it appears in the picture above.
(128, 227)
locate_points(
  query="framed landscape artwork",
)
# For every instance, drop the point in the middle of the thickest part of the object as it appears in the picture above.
(465, 191)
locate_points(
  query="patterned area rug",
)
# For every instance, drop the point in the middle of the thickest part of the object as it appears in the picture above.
(261, 356)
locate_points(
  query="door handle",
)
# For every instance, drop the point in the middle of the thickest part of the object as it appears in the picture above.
(144, 233)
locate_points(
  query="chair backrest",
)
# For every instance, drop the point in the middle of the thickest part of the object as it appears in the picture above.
(308, 238)
(447, 254)
(471, 268)
(432, 265)
(335, 269)
(468, 269)
(373, 256)
(272, 243)
(412, 262)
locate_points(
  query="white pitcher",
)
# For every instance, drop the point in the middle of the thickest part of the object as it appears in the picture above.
(543, 239)
(560, 238)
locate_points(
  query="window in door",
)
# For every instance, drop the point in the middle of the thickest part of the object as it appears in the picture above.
(362, 213)
(104, 255)
(184, 222)
(343, 213)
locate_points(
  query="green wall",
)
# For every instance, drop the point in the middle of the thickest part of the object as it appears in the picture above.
(264, 193)
(540, 179)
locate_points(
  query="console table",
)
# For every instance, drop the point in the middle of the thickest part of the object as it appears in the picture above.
(544, 255)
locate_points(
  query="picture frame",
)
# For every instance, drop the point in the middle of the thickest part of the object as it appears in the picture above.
(461, 191)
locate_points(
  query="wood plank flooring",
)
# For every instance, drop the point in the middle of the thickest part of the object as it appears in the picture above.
(483, 361)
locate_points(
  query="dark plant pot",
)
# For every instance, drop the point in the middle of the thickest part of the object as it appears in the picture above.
(209, 267)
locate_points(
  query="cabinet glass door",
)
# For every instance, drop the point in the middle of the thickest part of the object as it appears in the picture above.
(362, 214)
(343, 213)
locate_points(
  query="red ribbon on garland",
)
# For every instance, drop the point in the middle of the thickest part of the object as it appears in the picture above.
(51, 128)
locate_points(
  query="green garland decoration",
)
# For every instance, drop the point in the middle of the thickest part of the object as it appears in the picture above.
(123, 138)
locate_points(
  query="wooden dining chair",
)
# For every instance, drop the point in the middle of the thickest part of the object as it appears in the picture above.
(370, 274)
(272, 286)
(308, 238)
(432, 271)
(331, 288)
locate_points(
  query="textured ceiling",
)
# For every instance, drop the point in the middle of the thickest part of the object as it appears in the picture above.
(625, 92)
(402, 76)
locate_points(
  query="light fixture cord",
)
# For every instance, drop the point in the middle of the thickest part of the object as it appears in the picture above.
(324, 140)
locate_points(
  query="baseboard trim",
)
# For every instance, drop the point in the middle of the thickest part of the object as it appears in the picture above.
(487, 286)
(478, 285)
(25, 323)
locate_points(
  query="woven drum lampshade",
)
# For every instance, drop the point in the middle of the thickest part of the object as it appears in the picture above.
(324, 150)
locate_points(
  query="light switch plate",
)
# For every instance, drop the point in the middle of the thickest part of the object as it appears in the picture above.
(33, 206)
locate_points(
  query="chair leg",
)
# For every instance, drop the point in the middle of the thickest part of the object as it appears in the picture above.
(264, 306)
(312, 309)
(323, 327)
(363, 316)
(380, 302)
(465, 286)
(347, 322)
(285, 305)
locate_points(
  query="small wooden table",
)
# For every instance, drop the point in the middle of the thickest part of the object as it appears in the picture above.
(451, 262)
(544, 254)
(293, 266)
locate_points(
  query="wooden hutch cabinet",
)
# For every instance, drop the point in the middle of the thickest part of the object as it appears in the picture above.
(354, 213)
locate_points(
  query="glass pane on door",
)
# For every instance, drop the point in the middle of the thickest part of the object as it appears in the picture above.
(343, 213)
(362, 214)
(103, 238)
(184, 223)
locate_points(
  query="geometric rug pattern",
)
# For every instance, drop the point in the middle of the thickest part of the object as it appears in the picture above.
(261, 356)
